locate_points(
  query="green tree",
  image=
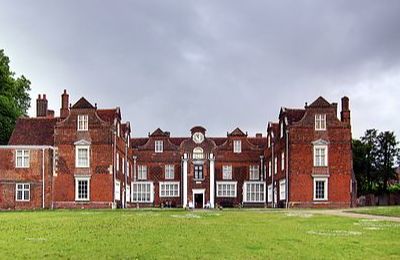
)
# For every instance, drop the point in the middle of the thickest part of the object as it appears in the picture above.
(387, 152)
(14, 98)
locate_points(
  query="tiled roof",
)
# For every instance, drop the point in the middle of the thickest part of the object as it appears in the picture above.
(82, 103)
(107, 115)
(320, 102)
(136, 142)
(237, 132)
(294, 115)
(33, 131)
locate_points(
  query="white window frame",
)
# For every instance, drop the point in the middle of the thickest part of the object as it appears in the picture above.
(254, 172)
(77, 162)
(82, 178)
(118, 130)
(320, 122)
(283, 161)
(128, 193)
(149, 192)
(23, 187)
(169, 171)
(269, 168)
(281, 129)
(117, 190)
(117, 162)
(24, 156)
(227, 172)
(282, 189)
(317, 156)
(169, 189)
(224, 192)
(158, 146)
(275, 165)
(326, 185)
(270, 193)
(123, 165)
(83, 123)
(237, 146)
(260, 191)
(198, 153)
(269, 140)
(142, 172)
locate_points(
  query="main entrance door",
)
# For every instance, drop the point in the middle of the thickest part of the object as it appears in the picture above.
(198, 201)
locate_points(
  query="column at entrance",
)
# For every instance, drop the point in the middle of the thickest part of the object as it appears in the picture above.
(212, 180)
(184, 179)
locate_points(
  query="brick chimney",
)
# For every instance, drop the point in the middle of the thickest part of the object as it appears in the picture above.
(41, 106)
(345, 114)
(64, 111)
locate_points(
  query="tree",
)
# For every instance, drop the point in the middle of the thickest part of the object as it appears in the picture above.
(14, 98)
(387, 152)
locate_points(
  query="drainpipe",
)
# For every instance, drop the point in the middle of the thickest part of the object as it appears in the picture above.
(287, 168)
(114, 165)
(273, 172)
(43, 178)
(126, 168)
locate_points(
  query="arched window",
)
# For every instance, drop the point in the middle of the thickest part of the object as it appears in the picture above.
(198, 153)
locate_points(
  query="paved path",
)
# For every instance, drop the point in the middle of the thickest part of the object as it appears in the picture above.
(347, 213)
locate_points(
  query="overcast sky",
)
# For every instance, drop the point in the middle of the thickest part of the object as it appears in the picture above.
(220, 64)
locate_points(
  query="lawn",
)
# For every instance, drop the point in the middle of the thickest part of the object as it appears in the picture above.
(178, 234)
(392, 211)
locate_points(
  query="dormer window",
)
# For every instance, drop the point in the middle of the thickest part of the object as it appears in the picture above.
(158, 146)
(198, 153)
(237, 146)
(320, 122)
(83, 122)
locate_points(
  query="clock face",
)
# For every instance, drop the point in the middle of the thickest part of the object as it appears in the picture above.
(198, 137)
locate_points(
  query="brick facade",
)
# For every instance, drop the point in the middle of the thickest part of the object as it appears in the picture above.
(86, 158)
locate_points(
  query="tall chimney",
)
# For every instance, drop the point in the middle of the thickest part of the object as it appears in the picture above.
(64, 111)
(41, 106)
(345, 114)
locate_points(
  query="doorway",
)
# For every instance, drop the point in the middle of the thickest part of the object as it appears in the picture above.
(198, 201)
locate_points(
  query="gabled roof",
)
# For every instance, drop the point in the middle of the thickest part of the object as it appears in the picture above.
(82, 103)
(294, 115)
(107, 115)
(33, 131)
(158, 132)
(320, 102)
(237, 132)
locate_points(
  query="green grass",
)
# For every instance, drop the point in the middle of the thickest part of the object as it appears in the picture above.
(391, 211)
(178, 234)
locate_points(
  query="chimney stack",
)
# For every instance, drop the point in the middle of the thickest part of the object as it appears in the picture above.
(41, 106)
(64, 111)
(345, 114)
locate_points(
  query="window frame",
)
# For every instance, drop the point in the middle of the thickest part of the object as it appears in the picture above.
(200, 167)
(317, 162)
(175, 193)
(117, 190)
(142, 172)
(82, 178)
(320, 122)
(275, 165)
(23, 189)
(282, 183)
(269, 195)
(80, 147)
(260, 191)
(227, 172)
(150, 192)
(254, 172)
(282, 161)
(158, 146)
(169, 172)
(82, 123)
(237, 146)
(232, 192)
(25, 158)
(325, 180)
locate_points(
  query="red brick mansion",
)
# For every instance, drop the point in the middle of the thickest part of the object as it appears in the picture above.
(87, 158)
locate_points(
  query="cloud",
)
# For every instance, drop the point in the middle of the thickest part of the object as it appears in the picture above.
(220, 64)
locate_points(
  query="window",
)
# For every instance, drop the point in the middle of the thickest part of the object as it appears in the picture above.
(320, 122)
(237, 146)
(227, 172)
(158, 146)
(128, 193)
(22, 192)
(142, 172)
(123, 165)
(128, 167)
(282, 189)
(254, 172)
(320, 156)
(281, 128)
(269, 168)
(226, 189)
(198, 172)
(22, 159)
(142, 192)
(254, 192)
(276, 165)
(118, 161)
(269, 193)
(169, 172)
(82, 122)
(82, 156)
(320, 188)
(198, 153)
(269, 141)
(117, 191)
(82, 188)
(118, 130)
(283, 161)
(169, 189)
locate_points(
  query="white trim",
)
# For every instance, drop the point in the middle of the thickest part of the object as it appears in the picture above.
(282, 183)
(320, 122)
(142, 172)
(254, 172)
(25, 158)
(158, 146)
(234, 183)
(169, 171)
(128, 193)
(237, 146)
(82, 178)
(315, 163)
(77, 148)
(270, 193)
(117, 190)
(198, 191)
(23, 189)
(151, 191)
(245, 199)
(326, 181)
(172, 183)
(84, 120)
(227, 169)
